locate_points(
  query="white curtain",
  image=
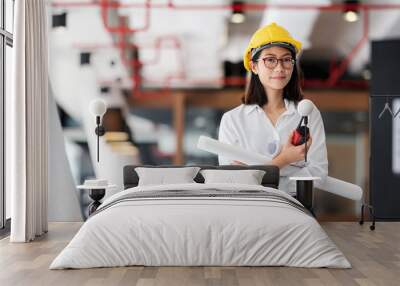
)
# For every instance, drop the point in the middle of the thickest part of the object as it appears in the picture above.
(27, 122)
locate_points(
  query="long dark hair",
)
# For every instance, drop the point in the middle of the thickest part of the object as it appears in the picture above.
(255, 92)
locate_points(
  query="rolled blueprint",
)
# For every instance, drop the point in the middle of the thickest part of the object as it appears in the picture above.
(230, 151)
(340, 188)
(331, 185)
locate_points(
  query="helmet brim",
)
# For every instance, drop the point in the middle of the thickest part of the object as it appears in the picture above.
(285, 45)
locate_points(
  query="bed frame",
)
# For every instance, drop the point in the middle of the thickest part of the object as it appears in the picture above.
(270, 179)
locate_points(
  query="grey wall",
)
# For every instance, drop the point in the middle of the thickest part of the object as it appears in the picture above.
(63, 202)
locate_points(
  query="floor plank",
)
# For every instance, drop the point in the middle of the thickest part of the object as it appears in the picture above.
(374, 255)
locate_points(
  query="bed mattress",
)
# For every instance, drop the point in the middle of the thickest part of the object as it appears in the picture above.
(201, 225)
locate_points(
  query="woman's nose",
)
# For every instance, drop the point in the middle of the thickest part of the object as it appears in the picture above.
(279, 66)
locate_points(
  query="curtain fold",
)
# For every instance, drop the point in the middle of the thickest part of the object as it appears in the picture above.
(28, 122)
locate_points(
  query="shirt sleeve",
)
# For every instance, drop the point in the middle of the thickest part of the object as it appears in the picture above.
(227, 135)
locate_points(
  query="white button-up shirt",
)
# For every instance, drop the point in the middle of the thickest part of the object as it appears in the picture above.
(249, 127)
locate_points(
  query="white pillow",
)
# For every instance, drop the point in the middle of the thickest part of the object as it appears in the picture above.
(165, 176)
(248, 177)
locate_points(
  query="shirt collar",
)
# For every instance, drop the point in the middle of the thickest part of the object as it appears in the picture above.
(290, 107)
(250, 108)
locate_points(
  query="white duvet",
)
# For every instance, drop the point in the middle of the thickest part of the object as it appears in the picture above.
(200, 231)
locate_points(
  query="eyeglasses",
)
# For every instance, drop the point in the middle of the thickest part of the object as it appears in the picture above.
(272, 62)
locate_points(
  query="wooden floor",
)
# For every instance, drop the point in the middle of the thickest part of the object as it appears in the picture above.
(375, 257)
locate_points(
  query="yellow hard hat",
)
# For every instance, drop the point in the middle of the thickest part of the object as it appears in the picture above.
(266, 36)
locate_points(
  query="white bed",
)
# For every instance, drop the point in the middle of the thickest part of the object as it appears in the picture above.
(268, 228)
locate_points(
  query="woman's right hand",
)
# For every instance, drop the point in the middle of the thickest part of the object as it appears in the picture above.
(291, 153)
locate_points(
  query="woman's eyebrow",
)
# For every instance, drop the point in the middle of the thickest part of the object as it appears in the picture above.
(285, 54)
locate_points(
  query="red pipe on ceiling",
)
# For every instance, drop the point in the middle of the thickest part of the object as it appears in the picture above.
(136, 65)
(122, 28)
(246, 6)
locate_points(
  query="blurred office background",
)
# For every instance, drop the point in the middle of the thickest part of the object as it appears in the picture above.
(169, 69)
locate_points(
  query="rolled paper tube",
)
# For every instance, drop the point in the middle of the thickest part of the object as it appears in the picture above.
(230, 151)
(340, 188)
(331, 185)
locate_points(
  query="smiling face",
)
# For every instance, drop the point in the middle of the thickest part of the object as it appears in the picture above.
(271, 76)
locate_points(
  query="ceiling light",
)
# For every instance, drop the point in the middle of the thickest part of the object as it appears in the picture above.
(351, 16)
(238, 15)
(350, 13)
(237, 18)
